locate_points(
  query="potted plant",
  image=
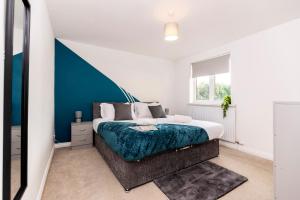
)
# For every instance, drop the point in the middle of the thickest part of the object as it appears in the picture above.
(225, 104)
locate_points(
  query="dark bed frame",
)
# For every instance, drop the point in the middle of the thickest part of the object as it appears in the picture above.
(135, 173)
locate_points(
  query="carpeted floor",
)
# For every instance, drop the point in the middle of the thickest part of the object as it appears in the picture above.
(15, 175)
(82, 174)
(204, 181)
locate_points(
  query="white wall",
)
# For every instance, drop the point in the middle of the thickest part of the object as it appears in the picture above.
(265, 67)
(146, 78)
(41, 96)
(17, 40)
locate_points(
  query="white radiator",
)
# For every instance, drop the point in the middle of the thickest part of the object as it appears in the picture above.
(215, 114)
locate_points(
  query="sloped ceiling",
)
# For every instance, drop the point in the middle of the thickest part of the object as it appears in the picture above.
(137, 25)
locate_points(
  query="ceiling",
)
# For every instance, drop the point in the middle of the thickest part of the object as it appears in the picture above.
(137, 25)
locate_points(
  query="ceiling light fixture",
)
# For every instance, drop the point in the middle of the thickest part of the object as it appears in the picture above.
(171, 31)
(171, 28)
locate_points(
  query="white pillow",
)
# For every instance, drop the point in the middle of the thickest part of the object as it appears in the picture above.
(141, 110)
(154, 104)
(107, 111)
(132, 112)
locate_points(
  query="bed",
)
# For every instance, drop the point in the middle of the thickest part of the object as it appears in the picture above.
(134, 169)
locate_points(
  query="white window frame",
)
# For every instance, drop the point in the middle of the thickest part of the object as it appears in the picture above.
(211, 99)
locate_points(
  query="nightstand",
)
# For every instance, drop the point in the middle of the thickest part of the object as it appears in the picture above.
(15, 141)
(82, 134)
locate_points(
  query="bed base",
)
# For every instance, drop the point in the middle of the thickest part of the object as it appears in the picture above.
(135, 173)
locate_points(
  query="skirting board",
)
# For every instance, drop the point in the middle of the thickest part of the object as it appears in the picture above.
(244, 149)
(62, 145)
(224, 143)
(44, 179)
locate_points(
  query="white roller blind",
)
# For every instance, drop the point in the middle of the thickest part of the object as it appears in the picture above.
(212, 66)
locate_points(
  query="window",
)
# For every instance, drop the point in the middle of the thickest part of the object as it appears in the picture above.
(222, 86)
(211, 80)
(212, 88)
(202, 88)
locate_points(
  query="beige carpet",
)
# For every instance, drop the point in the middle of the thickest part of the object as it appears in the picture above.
(82, 174)
(15, 176)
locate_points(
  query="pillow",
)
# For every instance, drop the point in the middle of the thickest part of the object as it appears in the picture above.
(123, 111)
(142, 110)
(132, 111)
(107, 111)
(154, 104)
(157, 111)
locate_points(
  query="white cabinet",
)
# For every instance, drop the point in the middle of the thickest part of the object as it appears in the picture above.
(287, 150)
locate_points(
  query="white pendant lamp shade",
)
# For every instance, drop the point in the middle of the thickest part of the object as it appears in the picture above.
(171, 31)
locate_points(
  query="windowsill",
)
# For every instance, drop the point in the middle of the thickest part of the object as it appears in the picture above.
(208, 104)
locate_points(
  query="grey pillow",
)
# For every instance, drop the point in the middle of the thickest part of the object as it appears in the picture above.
(122, 111)
(157, 111)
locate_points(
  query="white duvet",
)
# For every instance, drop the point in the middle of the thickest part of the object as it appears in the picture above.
(213, 129)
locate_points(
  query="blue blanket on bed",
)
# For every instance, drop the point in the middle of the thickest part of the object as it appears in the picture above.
(133, 145)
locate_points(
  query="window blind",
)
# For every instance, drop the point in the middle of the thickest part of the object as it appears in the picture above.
(212, 66)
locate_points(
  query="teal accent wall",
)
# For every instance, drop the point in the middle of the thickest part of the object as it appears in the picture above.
(16, 88)
(77, 85)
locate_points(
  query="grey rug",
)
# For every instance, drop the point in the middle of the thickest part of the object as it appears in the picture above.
(204, 181)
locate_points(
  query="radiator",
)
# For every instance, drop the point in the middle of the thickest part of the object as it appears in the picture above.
(215, 114)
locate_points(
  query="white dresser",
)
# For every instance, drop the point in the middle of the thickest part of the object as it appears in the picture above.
(287, 150)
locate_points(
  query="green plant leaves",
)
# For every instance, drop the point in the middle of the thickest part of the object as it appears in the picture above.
(225, 105)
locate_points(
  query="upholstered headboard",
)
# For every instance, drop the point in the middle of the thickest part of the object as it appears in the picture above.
(96, 110)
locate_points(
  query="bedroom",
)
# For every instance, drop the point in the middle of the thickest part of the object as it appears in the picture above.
(123, 99)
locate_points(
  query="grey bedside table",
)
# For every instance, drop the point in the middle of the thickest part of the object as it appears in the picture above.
(16, 141)
(82, 134)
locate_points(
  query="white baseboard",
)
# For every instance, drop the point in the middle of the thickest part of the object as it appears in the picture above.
(248, 150)
(244, 149)
(62, 145)
(44, 179)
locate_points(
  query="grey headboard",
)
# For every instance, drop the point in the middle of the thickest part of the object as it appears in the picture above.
(96, 110)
